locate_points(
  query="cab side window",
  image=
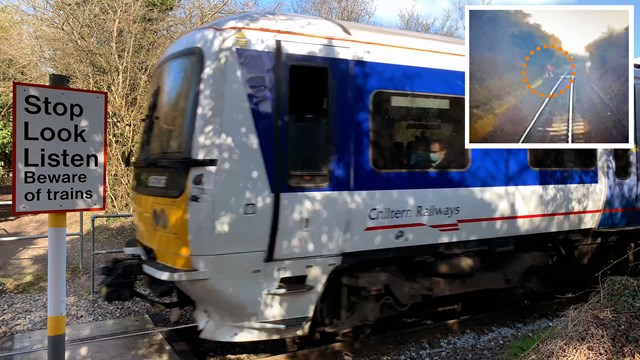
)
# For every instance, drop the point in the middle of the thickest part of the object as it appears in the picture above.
(622, 163)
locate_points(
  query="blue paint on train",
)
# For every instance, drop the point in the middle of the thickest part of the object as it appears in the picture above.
(353, 84)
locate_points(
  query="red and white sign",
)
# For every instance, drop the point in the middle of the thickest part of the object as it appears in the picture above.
(59, 149)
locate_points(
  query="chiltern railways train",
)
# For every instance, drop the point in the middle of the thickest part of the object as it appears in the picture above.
(300, 175)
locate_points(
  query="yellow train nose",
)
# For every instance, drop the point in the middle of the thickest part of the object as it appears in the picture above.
(162, 224)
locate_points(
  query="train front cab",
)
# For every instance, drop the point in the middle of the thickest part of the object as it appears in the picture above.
(203, 205)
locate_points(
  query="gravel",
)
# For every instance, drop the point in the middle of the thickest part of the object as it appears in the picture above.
(489, 343)
(26, 312)
(21, 313)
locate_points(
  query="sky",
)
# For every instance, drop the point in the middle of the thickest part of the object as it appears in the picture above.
(386, 12)
(577, 28)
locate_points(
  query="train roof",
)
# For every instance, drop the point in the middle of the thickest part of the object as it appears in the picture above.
(334, 29)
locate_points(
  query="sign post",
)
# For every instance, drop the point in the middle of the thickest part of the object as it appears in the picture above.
(59, 166)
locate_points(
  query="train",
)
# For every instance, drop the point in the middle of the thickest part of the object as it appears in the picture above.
(298, 175)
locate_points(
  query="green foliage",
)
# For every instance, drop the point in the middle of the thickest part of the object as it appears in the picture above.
(161, 6)
(496, 58)
(609, 55)
(521, 346)
(6, 126)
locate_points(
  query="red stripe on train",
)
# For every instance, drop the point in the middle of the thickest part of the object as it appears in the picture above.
(445, 227)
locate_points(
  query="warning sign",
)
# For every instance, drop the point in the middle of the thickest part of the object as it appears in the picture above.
(59, 147)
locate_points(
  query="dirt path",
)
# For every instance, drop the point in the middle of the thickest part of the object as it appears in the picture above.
(21, 257)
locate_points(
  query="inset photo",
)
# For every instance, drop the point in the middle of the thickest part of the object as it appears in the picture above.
(553, 76)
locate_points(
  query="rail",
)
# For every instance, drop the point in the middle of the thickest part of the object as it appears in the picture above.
(80, 234)
(93, 244)
(97, 339)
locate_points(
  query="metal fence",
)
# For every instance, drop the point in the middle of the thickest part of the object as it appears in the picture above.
(93, 244)
(79, 233)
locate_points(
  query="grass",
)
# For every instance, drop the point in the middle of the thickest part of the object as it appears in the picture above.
(24, 284)
(33, 282)
(521, 346)
(606, 327)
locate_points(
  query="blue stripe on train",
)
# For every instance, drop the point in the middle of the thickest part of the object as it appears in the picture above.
(354, 84)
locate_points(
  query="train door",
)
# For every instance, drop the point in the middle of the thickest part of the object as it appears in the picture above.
(635, 219)
(310, 214)
(621, 204)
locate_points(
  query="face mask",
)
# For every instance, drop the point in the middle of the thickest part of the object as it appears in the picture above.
(435, 157)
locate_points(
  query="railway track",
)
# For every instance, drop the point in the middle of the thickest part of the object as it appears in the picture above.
(94, 339)
(385, 335)
(554, 121)
(379, 342)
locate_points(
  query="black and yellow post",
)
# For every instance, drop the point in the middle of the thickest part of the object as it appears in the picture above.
(57, 265)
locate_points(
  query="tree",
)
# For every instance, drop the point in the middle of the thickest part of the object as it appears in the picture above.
(110, 46)
(450, 23)
(16, 64)
(361, 11)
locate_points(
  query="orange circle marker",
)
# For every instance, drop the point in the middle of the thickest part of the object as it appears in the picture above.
(527, 58)
(567, 87)
(571, 81)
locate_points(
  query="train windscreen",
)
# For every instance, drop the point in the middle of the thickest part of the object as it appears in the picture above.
(172, 107)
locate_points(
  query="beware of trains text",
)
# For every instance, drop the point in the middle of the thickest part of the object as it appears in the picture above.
(59, 149)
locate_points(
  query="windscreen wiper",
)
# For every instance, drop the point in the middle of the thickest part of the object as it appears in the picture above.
(149, 121)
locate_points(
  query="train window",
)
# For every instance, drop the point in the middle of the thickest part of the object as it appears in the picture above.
(175, 86)
(308, 126)
(415, 131)
(622, 163)
(562, 158)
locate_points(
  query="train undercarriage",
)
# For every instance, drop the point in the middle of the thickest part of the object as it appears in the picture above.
(369, 287)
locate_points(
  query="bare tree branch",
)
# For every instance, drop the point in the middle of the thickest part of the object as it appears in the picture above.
(450, 23)
(349, 10)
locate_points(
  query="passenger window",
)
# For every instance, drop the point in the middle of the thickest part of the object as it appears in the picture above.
(413, 131)
(562, 158)
(622, 163)
(308, 126)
